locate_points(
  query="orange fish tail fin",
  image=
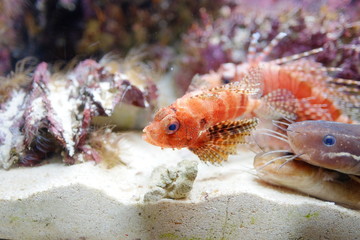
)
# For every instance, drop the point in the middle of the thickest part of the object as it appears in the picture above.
(223, 139)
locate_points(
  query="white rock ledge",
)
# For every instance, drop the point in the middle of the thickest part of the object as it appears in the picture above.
(87, 201)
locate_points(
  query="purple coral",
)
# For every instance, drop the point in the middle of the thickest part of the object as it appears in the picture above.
(210, 43)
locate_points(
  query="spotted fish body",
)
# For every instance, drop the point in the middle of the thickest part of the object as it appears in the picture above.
(203, 120)
(327, 144)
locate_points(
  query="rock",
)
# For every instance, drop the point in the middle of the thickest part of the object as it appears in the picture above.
(175, 182)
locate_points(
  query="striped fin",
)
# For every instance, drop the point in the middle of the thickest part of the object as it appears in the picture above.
(280, 103)
(347, 86)
(349, 90)
(300, 66)
(350, 107)
(297, 56)
(346, 96)
(267, 50)
(252, 47)
(196, 83)
(204, 82)
(223, 139)
(250, 84)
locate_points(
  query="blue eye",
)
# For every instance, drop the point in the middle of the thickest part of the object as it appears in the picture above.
(329, 140)
(172, 127)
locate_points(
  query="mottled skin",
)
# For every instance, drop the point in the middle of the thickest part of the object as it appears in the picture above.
(320, 168)
(195, 114)
(306, 138)
(203, 121)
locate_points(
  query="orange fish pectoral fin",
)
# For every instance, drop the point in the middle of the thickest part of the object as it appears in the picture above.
(278, 104)
(223, 139)
(213, 153)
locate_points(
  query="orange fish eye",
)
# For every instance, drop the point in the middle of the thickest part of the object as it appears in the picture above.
(172, 126)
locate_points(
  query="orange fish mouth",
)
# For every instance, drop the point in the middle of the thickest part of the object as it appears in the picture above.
(151, 136)
(147, 136)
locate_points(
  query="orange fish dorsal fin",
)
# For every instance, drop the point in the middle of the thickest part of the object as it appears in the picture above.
(203, 82)
(251, 84)
(223, 139)
(196, 83)
(280, 103)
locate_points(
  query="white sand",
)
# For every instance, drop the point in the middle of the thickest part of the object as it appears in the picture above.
(87, 201)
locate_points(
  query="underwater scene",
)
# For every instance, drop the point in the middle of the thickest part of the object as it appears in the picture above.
(179, 120)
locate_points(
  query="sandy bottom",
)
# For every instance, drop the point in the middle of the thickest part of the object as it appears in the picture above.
(88, 201)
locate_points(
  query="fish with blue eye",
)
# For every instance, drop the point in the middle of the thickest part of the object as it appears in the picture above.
(326, 144)
(173, 127)
(323, 160)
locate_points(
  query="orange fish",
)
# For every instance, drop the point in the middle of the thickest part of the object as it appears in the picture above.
(293, 87)
(203, 120)
(288, 87)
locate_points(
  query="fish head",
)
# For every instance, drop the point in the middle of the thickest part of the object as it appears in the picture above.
(171, 129)
(327, 144)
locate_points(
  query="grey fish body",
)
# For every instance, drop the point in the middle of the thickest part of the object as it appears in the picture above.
(327, 144)
(312, 180)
